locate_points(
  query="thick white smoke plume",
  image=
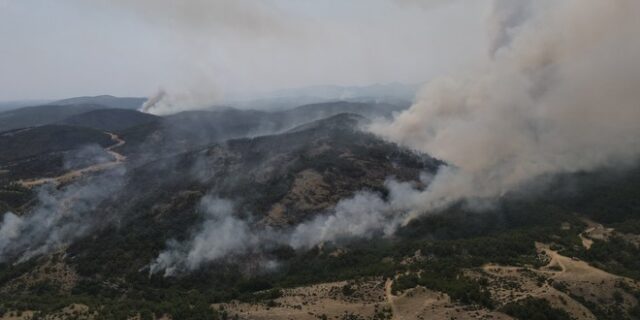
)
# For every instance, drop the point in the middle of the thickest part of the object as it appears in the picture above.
(560, 94)
(60, 217)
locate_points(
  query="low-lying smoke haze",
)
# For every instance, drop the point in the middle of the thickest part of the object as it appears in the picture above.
(60, 216)
(222, 233)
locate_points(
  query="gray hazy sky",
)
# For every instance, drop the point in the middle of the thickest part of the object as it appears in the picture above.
(63, 48)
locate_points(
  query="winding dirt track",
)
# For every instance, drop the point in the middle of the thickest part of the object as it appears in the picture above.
(388, 294)
(72, 175)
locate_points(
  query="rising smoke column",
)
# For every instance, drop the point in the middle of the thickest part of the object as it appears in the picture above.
(220, 234)
(559, 94)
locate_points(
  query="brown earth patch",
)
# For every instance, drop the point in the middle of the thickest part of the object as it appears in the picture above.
(333, 300)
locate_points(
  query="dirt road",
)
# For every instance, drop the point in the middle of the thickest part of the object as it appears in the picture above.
(388, 294)
(594, 231)
(75, 174)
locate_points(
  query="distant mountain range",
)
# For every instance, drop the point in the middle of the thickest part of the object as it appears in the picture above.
(279, 99)
(104, 100)
(288, 98)
(15, 104)
(55, 111)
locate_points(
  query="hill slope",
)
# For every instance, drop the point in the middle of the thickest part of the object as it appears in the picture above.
(59, 110)
(112, 120)
(187, 130)
(48, 150)
(105, 100)
(41, 115)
